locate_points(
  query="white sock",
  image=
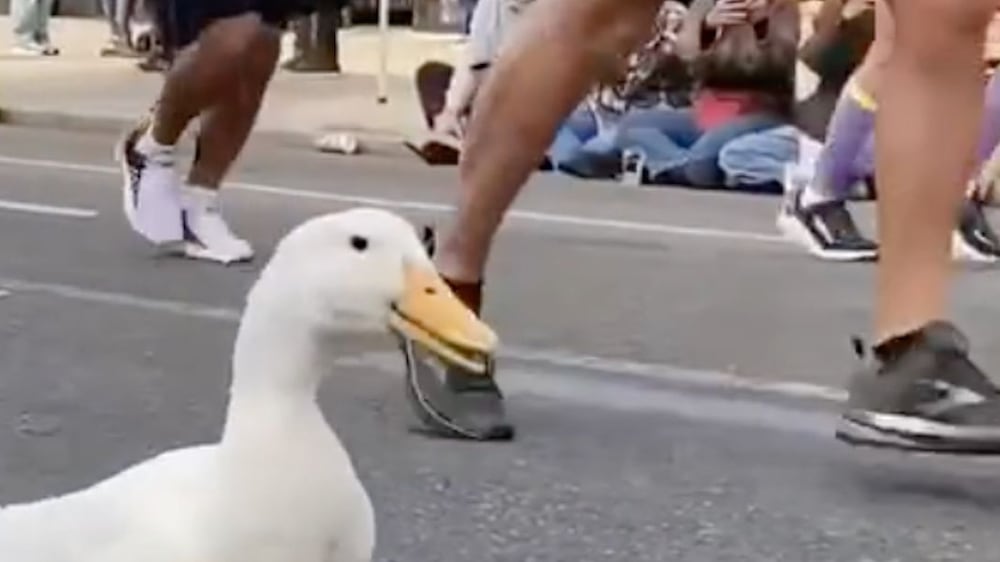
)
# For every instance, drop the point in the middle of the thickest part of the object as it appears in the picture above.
(812, 196)
(147, 146)
(200, 198)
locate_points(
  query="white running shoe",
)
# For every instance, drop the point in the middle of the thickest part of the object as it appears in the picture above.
(206, 234)
(150, 190)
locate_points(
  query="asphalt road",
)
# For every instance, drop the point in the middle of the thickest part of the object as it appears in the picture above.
(673, 366)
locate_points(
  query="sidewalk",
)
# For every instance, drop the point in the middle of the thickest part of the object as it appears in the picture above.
(84, 91)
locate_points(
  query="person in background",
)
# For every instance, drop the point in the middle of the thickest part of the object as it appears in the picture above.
(743, 58)
(31, 28)
(316, 48)
(227, 51)
(492, 21)
(468, 8)
(119, 14)
(160, 55)
(815, 215)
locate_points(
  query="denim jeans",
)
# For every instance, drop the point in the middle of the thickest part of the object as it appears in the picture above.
(760, 159)
(582, 149)
(31, 20)
(677, 150)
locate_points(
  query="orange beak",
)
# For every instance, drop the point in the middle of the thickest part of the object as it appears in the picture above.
(431, 314)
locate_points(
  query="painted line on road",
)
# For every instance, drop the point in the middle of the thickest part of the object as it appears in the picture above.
(517, 214)
(50, 210)
(558, 359)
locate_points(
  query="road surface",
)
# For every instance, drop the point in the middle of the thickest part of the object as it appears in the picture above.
(674, 368)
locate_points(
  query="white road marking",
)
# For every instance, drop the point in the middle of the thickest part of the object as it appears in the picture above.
(553, 359)
(517, 214)
(42, 209)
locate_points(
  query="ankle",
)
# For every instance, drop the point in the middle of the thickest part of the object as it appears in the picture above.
(469, 292)
(198, 197)
(150, 147)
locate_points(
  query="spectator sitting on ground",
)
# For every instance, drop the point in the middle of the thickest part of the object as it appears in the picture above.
(743, 54)
(655, 77)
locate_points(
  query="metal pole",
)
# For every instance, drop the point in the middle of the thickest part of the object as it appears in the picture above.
(383, 54)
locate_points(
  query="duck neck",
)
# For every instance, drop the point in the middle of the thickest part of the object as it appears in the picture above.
(277, 368)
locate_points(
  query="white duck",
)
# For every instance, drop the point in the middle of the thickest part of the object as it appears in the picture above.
(278, 486)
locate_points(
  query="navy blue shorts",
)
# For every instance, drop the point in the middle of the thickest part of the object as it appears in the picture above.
(187, 18)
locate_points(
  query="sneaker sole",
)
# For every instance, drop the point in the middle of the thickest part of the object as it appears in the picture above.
(882, 431)
(195, 251)
(794, 232)
(961, 250)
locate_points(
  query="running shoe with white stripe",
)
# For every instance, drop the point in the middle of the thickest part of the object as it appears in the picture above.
(922, 392)
(150, 190)
(826, 230)
(974, 239)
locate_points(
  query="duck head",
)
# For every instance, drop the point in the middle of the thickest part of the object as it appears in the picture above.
(364, 272)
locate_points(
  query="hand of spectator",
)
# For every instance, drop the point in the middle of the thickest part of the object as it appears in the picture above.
(449, 123)
(728, 12)
(757, 10)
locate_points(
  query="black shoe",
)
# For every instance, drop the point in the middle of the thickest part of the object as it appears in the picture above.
(974, 239)
(453, 403)
(826, 230)
(922, 393)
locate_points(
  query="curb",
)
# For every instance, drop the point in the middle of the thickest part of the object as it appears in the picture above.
(374, 142)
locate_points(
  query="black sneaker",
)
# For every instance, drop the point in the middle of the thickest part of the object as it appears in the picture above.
(826, 230)
(922, 393)
(449, 401)
(975, 239)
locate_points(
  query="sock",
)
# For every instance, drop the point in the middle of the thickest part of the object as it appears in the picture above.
(200, 198)
(851, 125)
(895, 347)
(147, 146)
(471, 294)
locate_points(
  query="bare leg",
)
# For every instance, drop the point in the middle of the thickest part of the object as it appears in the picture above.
(869, 74)
(926, 142)
(203, 75)
(227, 126)
(563, 46)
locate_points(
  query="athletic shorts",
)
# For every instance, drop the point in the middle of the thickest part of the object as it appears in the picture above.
(187, 18)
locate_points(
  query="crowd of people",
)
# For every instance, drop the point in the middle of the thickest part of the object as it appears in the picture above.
(705, 102)
(710, 101)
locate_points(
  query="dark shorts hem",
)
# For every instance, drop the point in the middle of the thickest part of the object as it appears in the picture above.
(186, 19)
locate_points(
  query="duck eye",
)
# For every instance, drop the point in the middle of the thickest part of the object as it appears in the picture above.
(359, 243)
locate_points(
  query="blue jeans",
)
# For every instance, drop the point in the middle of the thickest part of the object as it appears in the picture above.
(581, 149)
(759, 159)
(31, 21)
(677, 150)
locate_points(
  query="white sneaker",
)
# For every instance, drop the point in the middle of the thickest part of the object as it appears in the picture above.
(34, 49)
(207, 236)
(150, 190)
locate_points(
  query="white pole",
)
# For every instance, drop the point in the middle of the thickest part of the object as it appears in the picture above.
(383, 51)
